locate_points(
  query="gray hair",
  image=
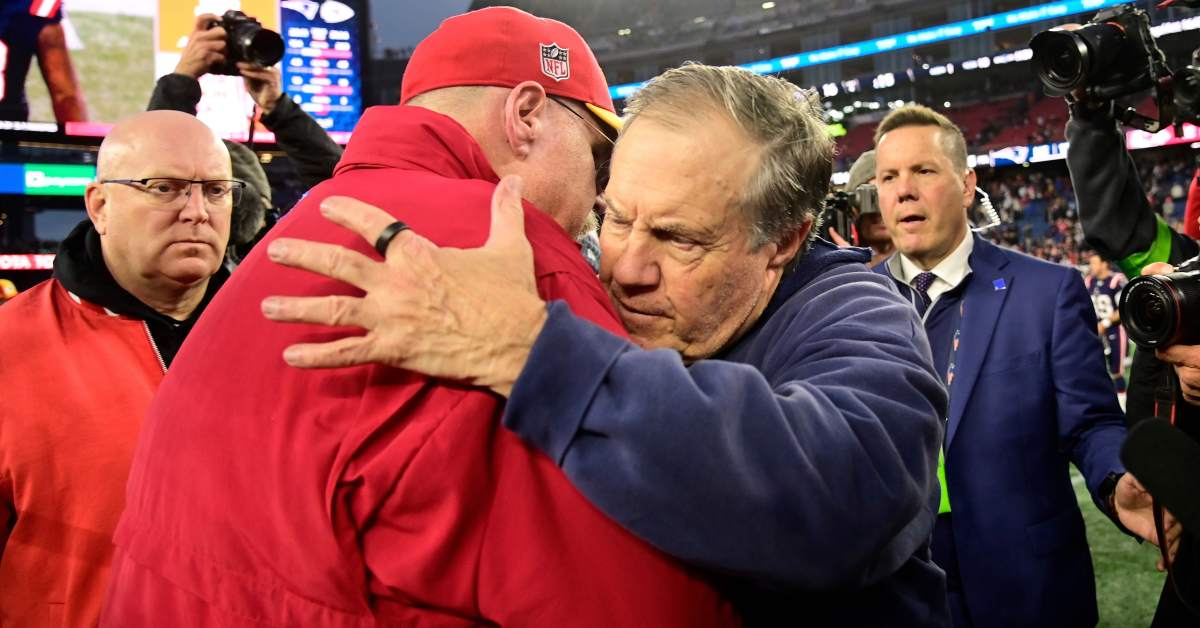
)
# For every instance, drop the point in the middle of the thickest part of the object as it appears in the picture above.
(797, 152)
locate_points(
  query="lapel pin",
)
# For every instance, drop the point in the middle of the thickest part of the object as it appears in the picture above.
(998, 284)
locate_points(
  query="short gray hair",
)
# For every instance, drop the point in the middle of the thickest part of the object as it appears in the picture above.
(797, 151)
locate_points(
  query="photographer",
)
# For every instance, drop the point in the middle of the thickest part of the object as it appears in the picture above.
(863, 207)
(310, 148)
(1120, 224)
(313, 153)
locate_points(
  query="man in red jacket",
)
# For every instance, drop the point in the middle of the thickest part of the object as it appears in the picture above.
(372, 496)
(84, 351)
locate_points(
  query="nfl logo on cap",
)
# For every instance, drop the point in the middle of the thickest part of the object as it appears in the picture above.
(555, 62)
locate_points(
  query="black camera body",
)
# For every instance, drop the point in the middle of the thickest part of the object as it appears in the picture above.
(837, 213)
(1115, 55)
(247, 40)
(1163, 310)
(1112, 55)
(1186, 83)
(842, 209)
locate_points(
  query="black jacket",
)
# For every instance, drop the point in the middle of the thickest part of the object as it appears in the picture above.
(310, 148)
(1120, 224)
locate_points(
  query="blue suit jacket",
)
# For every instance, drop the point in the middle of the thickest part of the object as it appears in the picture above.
(1030, 394)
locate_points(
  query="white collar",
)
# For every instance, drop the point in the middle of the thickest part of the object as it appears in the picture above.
(949, 273)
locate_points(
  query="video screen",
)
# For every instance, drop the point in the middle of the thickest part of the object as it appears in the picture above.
(84, 64)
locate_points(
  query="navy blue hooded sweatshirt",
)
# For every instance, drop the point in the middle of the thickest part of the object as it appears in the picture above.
(798, 466)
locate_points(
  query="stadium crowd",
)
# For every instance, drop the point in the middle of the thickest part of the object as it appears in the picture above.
(413, 401)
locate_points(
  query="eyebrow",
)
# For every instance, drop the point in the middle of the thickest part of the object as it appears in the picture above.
(699, 234)
(676, 229)
(611, 204)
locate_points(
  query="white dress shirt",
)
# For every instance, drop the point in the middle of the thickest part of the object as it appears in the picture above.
(948, 273)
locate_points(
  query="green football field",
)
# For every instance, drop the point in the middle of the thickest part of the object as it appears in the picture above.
(115, 67)
(1127, 584)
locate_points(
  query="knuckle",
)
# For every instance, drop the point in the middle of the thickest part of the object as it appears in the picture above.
(340, 310)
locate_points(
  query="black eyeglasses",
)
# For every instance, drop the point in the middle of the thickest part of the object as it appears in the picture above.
(166, 191)
(601, 160)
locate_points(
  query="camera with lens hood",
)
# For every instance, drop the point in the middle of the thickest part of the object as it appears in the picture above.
(1115, 55)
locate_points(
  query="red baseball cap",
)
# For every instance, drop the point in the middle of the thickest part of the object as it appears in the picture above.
(503, 46)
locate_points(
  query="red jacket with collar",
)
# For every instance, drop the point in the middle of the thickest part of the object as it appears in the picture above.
(267, 495)
(76, 381)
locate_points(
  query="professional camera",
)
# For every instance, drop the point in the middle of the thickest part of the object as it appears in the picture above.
(247, 40)
(1115, 55)
(837, 214)
(1163, 310)
(841, 209)
(1187, 90)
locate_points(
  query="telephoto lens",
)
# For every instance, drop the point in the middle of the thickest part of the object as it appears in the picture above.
(1163, 310)
(247, 40)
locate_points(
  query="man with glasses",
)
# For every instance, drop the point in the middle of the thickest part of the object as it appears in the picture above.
(85, 350)
(311, 151)
(372, 496)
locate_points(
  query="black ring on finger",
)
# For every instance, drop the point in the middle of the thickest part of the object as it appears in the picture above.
(385, 238)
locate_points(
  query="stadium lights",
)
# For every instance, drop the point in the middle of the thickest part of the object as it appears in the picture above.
(833, 89)
(624, 32)
(911, 39)
(767, 6)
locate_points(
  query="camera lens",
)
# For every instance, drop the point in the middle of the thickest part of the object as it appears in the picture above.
(1060, 59)
(1065, 65)
(264, 47)
(257, 44)
(1161, 310)
(1186, 83)
(1151, 313)
(1066, 60)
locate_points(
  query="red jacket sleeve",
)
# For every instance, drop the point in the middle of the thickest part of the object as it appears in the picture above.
(1191, 220)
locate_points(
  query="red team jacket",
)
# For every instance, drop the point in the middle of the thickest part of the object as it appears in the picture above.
(264, 495)
(77, 381)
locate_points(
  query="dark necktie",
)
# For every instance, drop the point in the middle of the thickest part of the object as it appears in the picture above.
(921, 284)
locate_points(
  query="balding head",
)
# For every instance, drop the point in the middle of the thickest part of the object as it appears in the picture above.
(156, 248)
(154, 133)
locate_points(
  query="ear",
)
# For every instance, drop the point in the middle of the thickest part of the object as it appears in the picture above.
(524, 111)
(97, 206)
(787, 249)
(969, 183)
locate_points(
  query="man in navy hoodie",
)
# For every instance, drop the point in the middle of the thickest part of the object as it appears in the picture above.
(775, 419)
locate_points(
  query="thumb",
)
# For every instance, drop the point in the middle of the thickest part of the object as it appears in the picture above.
(837, 238)
(508, 216)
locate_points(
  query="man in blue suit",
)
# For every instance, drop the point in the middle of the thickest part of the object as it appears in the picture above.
(1015, 339)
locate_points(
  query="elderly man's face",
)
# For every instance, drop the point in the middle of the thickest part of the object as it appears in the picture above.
(181, 243)
(675, 248)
